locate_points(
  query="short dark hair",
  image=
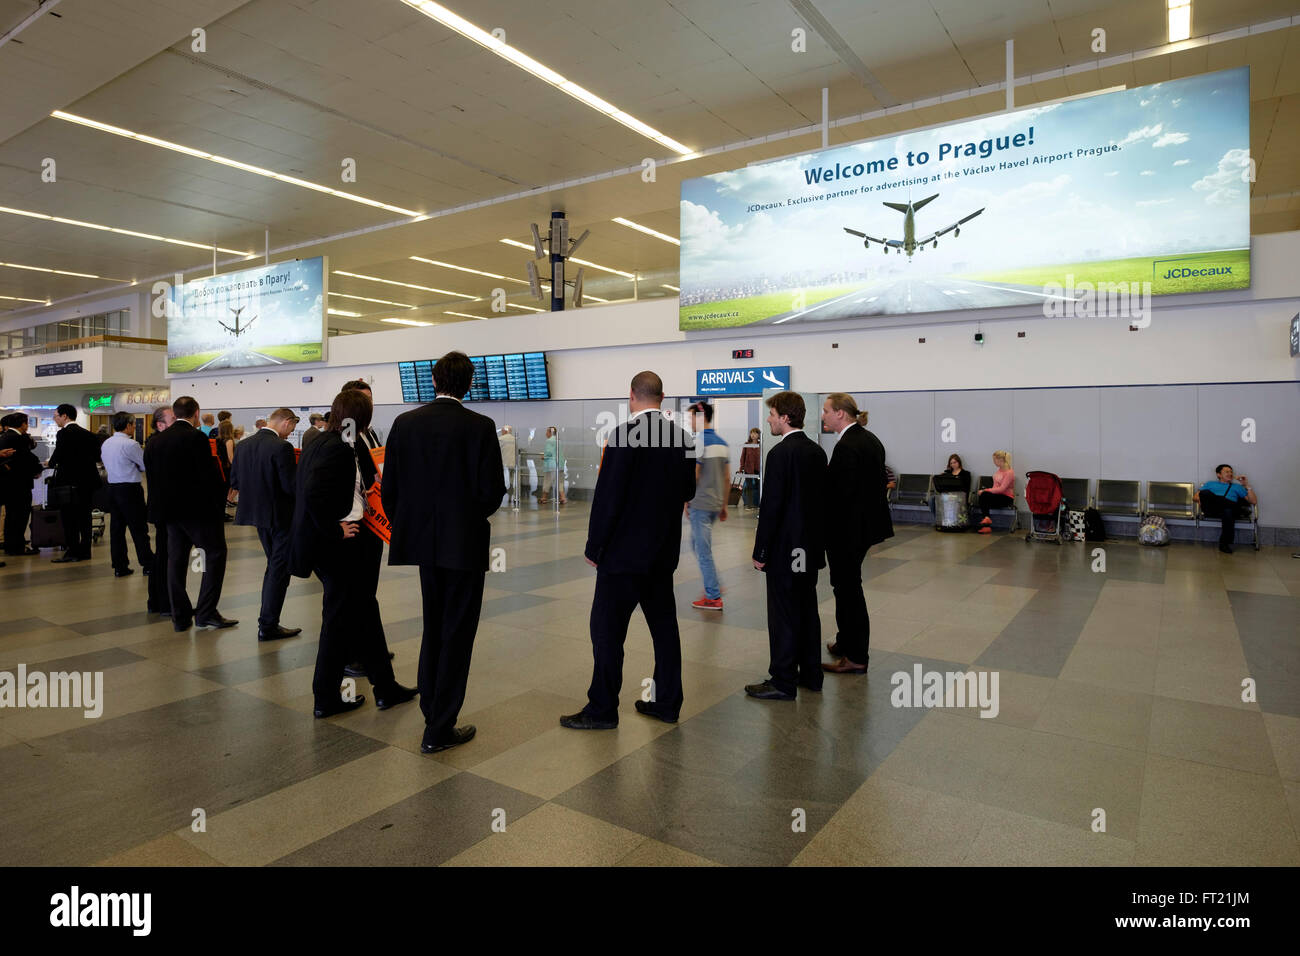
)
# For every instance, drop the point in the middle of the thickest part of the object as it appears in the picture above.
(121, 420)
(67, 411)
(13, 420)
(185, 407)
(159, 414)
(647, 385)
(705, 409)
(790, 405)
(223, 415)
(358, 384)
(353, 405)
(1219, 468)
(453, 374)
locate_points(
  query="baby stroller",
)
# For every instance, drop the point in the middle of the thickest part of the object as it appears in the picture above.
(1043, 496)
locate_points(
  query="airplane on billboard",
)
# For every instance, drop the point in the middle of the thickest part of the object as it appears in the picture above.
(238, 330)
(909, 243)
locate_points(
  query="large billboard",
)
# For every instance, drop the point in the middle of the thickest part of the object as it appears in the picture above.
(267, 316)
(1148, 185)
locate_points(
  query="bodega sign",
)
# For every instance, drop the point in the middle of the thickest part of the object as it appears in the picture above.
(741, 381)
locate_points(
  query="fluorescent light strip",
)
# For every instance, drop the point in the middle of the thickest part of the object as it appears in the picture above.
(408, 285)
(18, 298)
(406, 322)
(62, 272)
(465, 316)
(647, 230)
(673, 287)
(346, 315)
(234, 164)
(122, 232)
(436, 11)
(527, 308)
(477, 272)
(581, 262)
(362, 298)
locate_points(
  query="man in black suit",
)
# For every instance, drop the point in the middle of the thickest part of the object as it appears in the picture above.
(789, 548)
(634, 538)
(189, 495)
(317, 421)
(263, 473)
(859, 519)
(75, 479)
(159, 601)
(17, 470)
(442, 479)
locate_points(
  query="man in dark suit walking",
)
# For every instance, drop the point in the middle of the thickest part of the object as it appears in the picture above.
(860, 518)
(188, 494)
(159, 601)
(75, 479)
(634, 538)
(264, 473)
(442, 479)
(17, 470)
(789, 549)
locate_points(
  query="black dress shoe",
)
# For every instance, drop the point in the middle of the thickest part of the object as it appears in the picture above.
(123, 573)
(584, 721)
(1225, 548)
(459, 735)
(644, 707)
(276, 632)
(767, 691)
(392, 696)
(217, 621)
(65, 559)
(26, 551)
(339, 707)
(179, 626)
(815, 688)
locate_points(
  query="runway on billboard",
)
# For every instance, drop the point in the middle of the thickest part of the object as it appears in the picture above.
(239, 358)
(894, 296)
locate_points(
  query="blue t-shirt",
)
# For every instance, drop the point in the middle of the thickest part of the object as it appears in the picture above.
(1233, 491)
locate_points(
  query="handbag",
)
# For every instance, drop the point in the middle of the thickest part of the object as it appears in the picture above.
(1074, 526)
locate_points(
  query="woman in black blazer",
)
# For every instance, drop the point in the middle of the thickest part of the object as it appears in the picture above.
(330, 539)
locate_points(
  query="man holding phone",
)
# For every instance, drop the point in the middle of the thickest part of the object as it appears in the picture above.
(1227, 499)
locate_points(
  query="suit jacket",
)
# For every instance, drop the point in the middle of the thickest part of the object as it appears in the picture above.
(793, 510)
(264, 472)
(184, 476)
(442, 479)
(646, 475)
(18, 470)
(310, 435)
(323, 496)
(859, 510)
(152, 480)
(75, 453)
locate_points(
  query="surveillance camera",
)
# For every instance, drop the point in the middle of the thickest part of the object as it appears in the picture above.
(979, 338)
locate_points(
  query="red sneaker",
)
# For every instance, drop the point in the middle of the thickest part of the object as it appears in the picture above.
(985, 530)
(987, 520)
(708, 604)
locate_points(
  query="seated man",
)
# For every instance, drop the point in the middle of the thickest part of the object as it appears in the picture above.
(1228, 500)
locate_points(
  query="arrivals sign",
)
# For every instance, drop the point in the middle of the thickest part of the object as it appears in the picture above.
(1148, 185)
(741, 381)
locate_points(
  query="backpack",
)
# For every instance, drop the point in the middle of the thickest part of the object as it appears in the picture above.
(1093, 529)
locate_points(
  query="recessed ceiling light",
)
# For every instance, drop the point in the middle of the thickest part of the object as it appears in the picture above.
(1180, 20)
(408, 285)
(581, 262)
(349, 315)
(62, 272)
(673, 287)
(436, 11)
(362, 298)
(477, 272)
(647, 230)
(405, 322)
(18, 298)
(122, 232)
(234, 164)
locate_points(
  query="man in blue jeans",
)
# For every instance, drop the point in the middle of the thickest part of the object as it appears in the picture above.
(712, 479)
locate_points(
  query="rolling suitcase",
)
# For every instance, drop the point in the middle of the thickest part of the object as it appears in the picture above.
(47, 528)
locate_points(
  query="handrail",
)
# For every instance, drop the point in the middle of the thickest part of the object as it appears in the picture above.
(89, 340)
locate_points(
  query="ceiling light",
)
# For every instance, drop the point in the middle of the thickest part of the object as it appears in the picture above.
(362, 298)
(348, 315)
(62, 272)
(408, 285)
(586, 296)
(234, 164)
(477, 272)
(436, 11)
(581, 262)
(673, 287)
(1180, 20)
(122, 232)
(647, 230)
(527, 308)
(465, 316)
(405, 322)
(18, 298)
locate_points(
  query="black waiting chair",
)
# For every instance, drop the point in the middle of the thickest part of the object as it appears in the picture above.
(1075, 494)
(1119, 497)
(1171, 500)
(912, 490)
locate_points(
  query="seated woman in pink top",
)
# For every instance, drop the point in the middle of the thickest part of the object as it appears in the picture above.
(1003, 492)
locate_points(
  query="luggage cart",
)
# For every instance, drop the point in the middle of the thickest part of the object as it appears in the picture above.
(1043, 496)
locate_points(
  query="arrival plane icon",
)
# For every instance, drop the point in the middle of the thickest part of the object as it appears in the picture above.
(238, 330)
(909, 243)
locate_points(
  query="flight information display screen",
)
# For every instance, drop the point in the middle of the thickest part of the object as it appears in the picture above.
(516, 377)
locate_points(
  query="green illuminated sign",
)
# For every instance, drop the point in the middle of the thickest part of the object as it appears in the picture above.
(100, 401)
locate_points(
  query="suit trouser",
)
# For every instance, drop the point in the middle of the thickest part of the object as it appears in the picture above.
(453, 599)
(210, 537)
(275, 580)
(76, 523)
(159, 598)
(852, 621)
(18, 510)
(126, 500)
(794, 631)
(617, 596)
(348, 570)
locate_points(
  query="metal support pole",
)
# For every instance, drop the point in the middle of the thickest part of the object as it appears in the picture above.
(557, 265)
(515, 489)
(559, 488)
(268, 247)
(1011, 74)
(214, 260)
(826, 116)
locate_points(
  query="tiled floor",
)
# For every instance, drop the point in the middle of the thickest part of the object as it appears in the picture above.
(1147, 714)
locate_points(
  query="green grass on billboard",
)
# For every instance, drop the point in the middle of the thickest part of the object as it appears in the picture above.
(188, 363)
(1153, 269)
(301, 352)
(736, 312)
